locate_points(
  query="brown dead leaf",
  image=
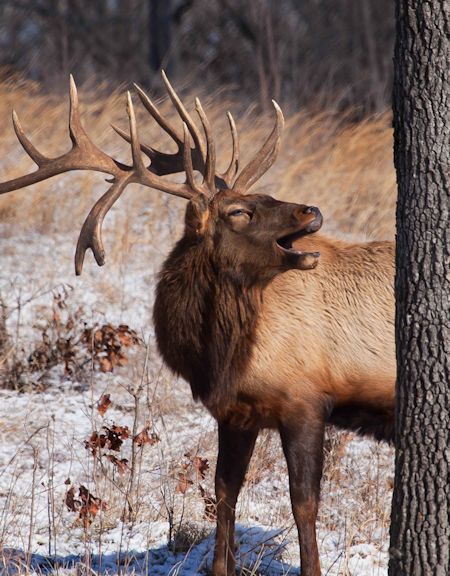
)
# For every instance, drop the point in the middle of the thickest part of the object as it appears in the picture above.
(115, 436)
(95, 442)
(183, 483)
(127, 336)
(121, 465)
(145, 438)
(105, 364)
(201, 465)
(103, 404)
(72, 504)
(90, 506)
(98, 335)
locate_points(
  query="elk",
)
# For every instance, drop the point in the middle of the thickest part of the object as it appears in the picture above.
(272, 324)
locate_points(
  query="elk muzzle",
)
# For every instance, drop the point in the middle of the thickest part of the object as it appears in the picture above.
(306, 220)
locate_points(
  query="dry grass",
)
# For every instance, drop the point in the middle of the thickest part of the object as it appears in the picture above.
(346, 170)
(342, 167)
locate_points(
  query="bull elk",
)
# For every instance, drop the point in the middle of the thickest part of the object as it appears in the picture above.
(264, 335)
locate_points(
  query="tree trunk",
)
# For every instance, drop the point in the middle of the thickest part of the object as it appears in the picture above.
(160, 16)
(421, 501)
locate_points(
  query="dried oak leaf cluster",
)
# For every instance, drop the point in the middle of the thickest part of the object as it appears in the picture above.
(87, 505)
(192, 471)
(110, 439)
(107, 345)
(64, 339)
(106, 444)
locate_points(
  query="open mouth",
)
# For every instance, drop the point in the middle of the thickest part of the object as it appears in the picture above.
(285, 242)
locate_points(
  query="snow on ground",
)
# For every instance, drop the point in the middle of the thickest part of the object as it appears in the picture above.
(43, 437)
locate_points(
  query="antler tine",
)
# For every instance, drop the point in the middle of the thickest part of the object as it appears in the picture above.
(264, 158)
(27, 145)
(187, 161)
(138, 164)
(185, 116)
(76, 130)
(148, 150)
(210, 164)
(230, 173)
(156, 114)
(83, 155)
(91, 231)
(187, 158)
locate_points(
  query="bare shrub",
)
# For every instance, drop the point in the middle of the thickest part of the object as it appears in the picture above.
(187, 535)
(64, 340)
(6, 346)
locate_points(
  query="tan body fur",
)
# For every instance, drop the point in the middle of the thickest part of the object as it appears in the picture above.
(325, 337)
(346, 338)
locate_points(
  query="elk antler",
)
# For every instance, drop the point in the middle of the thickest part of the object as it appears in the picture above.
(162, 163)
(264, 159)
(85, 155)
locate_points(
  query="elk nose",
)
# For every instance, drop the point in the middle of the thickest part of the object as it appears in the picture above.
(311, 210)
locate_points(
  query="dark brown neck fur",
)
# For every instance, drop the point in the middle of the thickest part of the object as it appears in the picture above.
(205, 319)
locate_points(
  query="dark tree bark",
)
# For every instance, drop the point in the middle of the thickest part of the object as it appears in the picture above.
(421, 502)
(160, 16)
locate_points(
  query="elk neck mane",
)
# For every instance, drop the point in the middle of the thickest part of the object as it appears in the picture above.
(205, 318)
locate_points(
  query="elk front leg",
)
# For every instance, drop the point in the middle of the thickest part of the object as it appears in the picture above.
(302, 442)
(235, 450)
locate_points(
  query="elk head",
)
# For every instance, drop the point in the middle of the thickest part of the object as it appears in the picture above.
(252, 236)
(255, 232)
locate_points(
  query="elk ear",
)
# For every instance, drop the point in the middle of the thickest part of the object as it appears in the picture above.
(197, 215)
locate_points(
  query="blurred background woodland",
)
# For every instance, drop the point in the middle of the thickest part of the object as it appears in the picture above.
(314, 53)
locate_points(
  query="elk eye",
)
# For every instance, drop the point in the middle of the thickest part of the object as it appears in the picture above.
(239, 212)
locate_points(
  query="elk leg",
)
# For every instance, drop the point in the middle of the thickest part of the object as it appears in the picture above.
(235, 450)
(302, 442)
